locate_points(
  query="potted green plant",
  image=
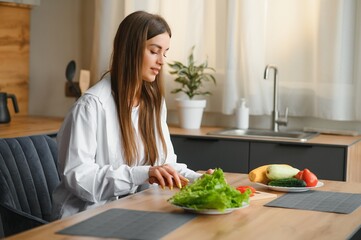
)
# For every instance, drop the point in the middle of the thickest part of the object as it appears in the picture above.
(191, 78)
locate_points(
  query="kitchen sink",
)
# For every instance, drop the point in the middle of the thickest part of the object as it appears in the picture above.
(266, 134)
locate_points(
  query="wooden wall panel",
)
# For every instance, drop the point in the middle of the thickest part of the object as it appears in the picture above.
(14, 53)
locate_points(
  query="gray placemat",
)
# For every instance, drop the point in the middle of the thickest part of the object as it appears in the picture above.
(319, 201)
(129, 224)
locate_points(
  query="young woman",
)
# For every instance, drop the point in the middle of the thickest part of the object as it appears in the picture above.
(115, 138)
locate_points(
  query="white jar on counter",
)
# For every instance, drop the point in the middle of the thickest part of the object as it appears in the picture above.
(242, 115)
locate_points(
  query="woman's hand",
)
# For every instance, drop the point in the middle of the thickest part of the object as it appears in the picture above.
(165, 175)
(209, 171)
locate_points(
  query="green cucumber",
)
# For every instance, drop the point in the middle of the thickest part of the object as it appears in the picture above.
(287, 182)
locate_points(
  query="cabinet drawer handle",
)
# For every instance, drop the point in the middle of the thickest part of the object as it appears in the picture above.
(295, 145)
(203, 139)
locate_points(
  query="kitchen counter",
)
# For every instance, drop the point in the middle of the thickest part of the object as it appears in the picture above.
(30, 125)
(253, 222)
(334, 157)
(320, 139)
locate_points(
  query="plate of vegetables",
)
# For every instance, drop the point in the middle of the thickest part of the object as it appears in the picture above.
(284, 178)
(210, 194)
(212, 211)
(290, 189)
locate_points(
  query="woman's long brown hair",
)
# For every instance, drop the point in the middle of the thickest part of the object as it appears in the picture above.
(126, 82)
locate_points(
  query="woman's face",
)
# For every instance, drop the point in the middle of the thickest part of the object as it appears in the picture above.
(154, 56)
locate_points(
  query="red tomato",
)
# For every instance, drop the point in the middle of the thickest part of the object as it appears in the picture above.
(242, 189)
(309, 177)
(299, 175)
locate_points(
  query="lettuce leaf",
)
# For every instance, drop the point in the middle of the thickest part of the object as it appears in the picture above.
(211, 191)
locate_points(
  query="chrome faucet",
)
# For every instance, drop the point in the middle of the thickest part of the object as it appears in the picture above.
(276, 120)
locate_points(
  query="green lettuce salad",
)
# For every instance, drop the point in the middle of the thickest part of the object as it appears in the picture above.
(211, 191)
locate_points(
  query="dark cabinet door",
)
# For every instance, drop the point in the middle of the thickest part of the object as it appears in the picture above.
(327, 162)
(206, 153)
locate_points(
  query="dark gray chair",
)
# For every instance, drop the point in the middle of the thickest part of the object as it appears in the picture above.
(28, 176)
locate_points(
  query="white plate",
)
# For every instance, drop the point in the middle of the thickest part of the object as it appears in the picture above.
(291, 189)
(211, 211)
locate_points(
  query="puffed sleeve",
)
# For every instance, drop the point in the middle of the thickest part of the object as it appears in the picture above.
(84, 172)
(171, 156)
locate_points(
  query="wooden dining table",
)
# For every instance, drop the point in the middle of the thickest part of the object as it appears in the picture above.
(253, 222)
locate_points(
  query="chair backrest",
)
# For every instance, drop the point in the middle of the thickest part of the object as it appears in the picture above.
(28, 176)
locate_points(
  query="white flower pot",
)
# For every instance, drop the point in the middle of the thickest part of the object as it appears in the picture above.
(190, 113)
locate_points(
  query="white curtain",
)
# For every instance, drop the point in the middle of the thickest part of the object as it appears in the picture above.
(108, 14)
(316, 45)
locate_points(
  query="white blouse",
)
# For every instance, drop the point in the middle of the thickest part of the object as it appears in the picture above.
(91, 164)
